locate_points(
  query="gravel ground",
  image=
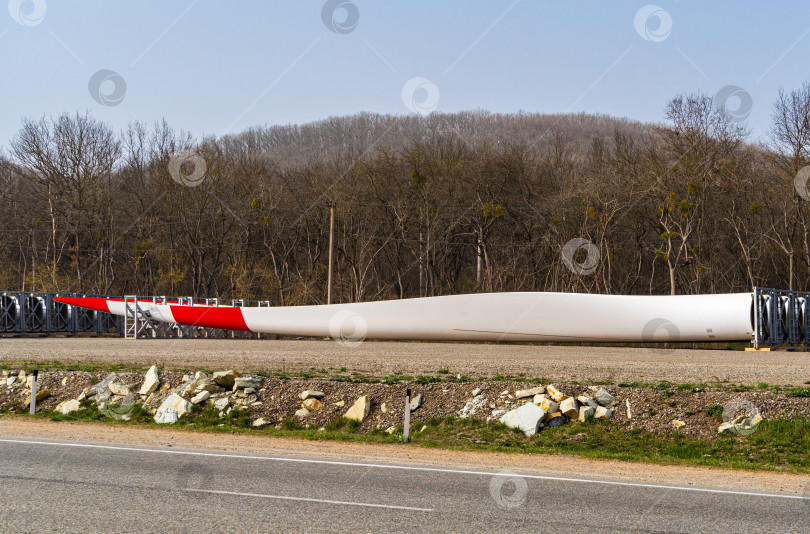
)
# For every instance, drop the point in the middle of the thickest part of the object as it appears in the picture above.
(477, 360)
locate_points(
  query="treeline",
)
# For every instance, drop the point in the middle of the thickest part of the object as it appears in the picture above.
(435, 205)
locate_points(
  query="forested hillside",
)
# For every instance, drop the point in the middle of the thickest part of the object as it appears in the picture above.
(447, 203)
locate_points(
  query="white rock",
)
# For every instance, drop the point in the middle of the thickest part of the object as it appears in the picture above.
(359, 409)
(199, 375)
(528, 418)
(473, 406)
(725, 426)
(221, 404)
(311, 394)
(225, 378)
(181, 407)
(65, 380)
(118, 389)
(10, 381)
(384, 408)
(391, 429)
(677, 423)
(587, 401)
(603, 397)
(151, 381)
(260, 422)
(603, 413)
(584, 413)
(416, 402)
(548, 405)
(523, 393)
(200, 397)
(555, 394)
(312, 404)
(242, 382)
(570, 408)
(629, 413)
(68, 406)
(301, 412)
(477, 391)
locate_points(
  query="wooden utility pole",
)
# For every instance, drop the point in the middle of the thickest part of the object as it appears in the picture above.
(331, 204)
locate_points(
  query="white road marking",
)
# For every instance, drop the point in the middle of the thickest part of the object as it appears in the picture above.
(406, 468)
(325, 501)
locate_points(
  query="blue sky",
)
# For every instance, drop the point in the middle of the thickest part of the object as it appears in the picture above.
(214, 67)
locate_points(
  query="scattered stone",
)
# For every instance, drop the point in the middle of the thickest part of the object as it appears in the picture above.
(677, 423)
(41, 394)
(199, 375)
(528, 418)
(551, 415)
(65, 380)
(603, 397)
(200, 397)
(260, 422)
(172, 409)
(68, 406)
(725, 426)
(473, 406)
(226, 378)
(416, 402)
(151, 381)
(554, 422)
(384, 408)
(340, 404)
(165, 387)
(587, 401)
(603, 413)
(570, 408)
(547, 404)
(477, 391)
(118, 389)
(187, 378)
(312, 394)
(391, 429)
(312, 404)
(243, 382)
(104, 384)
(523, 393)
(10, 381)
(249, 391)
(629, 413)
(221, 404)
(206, 384)
(301, 412)
(584, 413)
(359, 410)
(555, 394)
(505, 393)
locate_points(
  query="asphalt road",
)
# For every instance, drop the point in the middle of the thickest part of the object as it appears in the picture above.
(61, 486)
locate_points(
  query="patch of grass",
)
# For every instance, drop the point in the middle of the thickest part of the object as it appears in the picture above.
(667, 394)
(685, 387)
(740, 388)
(343, 424)
(689, 414)
(799, 391)
(653, 411)
(663, 384)
(636, 385)
(715, 411)
(422, 379)
(342, 370)
(763, 385)
(443, 371)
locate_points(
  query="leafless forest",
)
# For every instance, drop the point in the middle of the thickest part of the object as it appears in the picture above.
(448, 203)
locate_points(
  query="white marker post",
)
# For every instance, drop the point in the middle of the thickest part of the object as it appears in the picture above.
(406, 427)
(34, 393)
